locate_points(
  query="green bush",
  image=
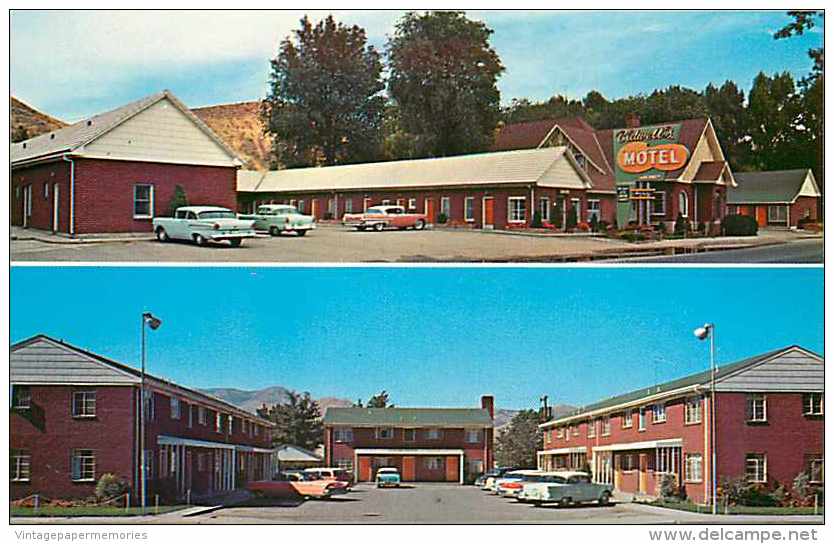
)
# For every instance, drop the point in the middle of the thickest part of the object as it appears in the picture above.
(110, 486)
(681, 225)
(594, 222)
(178, 200)
(739, 225)
(631, 236)
(536, 223)
(442, 218)
(667, 487)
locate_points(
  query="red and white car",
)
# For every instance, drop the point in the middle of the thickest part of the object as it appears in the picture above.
(383, 217)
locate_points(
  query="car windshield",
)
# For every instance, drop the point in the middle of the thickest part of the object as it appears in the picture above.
(376, 210)
(217, 214)
(267, 211)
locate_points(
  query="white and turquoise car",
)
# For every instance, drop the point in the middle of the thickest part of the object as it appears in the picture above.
(203, 224)
(388, 477)
(566, 488)
(280, 218)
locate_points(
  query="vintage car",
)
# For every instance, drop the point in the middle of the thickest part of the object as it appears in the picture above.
(379, 218)
(334, 474)
(388, 477)
(566, 488)
(503, 485)
(492, 475)
(296, 486)
(203, 224)
(280, 218)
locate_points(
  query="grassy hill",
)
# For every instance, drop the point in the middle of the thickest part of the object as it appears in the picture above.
(240, 126)
(27, 122)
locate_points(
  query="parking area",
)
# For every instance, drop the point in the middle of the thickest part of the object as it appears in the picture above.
(336, 244)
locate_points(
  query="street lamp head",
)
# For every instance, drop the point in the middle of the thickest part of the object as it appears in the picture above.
(702, 333)
(153, 322)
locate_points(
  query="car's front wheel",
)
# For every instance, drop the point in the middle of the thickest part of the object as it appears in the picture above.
(200, 240)
(378, 227)
(419, 225)
(301, 232)
(605, 498)
(161, 235)
(565, 502)
(274, 231)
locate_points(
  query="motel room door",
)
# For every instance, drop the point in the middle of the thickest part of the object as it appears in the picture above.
(314, 208)
(489, 213)
(643, 478)
(365, 469)
(761, 215)
(452, 468)
(429, 207)
(409, 468)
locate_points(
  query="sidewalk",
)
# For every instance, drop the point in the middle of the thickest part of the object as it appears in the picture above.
(45, 236)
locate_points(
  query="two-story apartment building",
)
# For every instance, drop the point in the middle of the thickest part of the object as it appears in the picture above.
(75, 415)
(768, 428)
(425, 444)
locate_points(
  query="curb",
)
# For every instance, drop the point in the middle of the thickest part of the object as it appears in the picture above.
(76, 241)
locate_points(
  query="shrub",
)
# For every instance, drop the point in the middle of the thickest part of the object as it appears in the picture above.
(536, 223)
(442, 218)
(681, 225)
(570, 222)
(327, 216)
(632, 236)
(739, 491)
(178, 200)
(603, 226)
(702, 228)
(667, 487)
(583, 227)
(661, 228)
(739, 225)
(109, 486)
(594, 223)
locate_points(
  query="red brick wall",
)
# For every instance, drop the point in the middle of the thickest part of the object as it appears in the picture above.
(786, 437)
(803, 203)
(104, 191)
(50, 433)
(42, 207)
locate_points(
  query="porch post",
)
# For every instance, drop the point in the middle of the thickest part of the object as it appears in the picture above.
(461, 469)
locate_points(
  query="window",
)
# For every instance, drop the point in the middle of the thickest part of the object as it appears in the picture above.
(812, 404)
(218, 422)
(574, 204)
(683, 203)
(201, 462)
(434, 463)
(576, 430)
(401, 202)
(544, 208)
(345, 464)
(409, 435)
(659, 413)
(693, 467)
(756, 467)
(593, 209)
(343, 434)
(560, 432)
(580, 160)
(84, 404)
(231, 421)
(384, 433)
(641, 419)
(816, 469)
(164, 469)
(434, 434)
(473, 436)
(777, 214)
(349, 205)
(692, 410)
(412, 203)
(21, 397)
(142, 201)
(150, 411)
(257, 428)
(331, 206)
(606, 426)
(301, 206)
(20, 464)
(469, 208)
(190, 415)
(83, 465)
(517, 209)
(386, 202)
(592, 428)
(756, 408)
(627, 461)
(201, 415)
(46, 191)
(446, 206)
(175, 408)
(628, 419)
(659, 203)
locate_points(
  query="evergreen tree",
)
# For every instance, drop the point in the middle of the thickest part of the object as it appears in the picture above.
(380, 400)
(298, 421)
(518, 442)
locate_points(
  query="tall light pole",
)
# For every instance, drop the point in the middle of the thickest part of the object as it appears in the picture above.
(702, 333)
(154, 323)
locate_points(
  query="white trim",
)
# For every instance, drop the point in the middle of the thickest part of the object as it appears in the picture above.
(150, 201)
(560, 451)
(472, 200)
(483, 212)
(584, 154)
(395, 451)
(510, 209)
(165, 440)
(645, 445)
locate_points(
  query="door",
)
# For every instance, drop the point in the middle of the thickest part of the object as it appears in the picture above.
(409, 469)
(644, 473)
(761, 216)
(365, 469)
(429, 207)
(55, 203)
(314, 208)
(452, 468)
(489, 213)
(27, 205)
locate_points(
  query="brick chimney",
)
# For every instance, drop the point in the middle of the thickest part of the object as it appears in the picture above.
(632, 120)
(488, 404)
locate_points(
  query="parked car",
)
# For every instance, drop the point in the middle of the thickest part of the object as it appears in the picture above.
(510, 482)
(492, 475)
(567, 488)
(296, 486)
(203, 224)
(280, 218)
(388, 477)
(542, 477)
(331, 473)
(379, 218)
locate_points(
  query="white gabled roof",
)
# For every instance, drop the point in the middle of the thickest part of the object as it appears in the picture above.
(73, 138)
(547, 167)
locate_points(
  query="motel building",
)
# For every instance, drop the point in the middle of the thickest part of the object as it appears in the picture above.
(635, 175)
(768, 426)
(75, 415)
(116, 171)
(425, 444)
(780, 198)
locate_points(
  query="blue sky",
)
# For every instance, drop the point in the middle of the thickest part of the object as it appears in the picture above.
(439, 337)
(74, 64)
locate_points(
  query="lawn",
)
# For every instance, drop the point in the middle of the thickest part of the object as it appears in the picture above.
(74, 511)
(747, 510)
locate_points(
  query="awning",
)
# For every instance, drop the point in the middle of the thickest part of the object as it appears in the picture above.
(164, 440)
(559, 451)
(651, 444)
(382, 451)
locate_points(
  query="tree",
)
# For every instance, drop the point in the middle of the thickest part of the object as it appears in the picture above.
(178, 200)
(804, 20)
(324, 104)
(725, 106)
(443, 77)
(298, 421)
(380, 400)
(774, 109)
(518, 442)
